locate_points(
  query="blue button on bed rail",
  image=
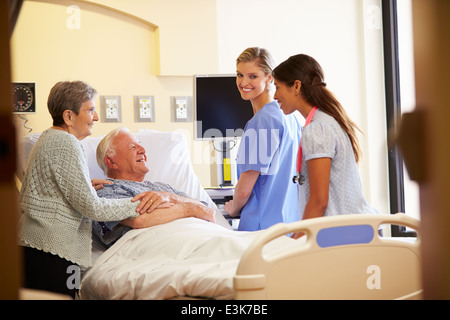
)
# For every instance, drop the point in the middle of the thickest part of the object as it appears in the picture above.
(346, 235)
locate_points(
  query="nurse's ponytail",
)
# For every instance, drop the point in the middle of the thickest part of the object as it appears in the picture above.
(308, 71)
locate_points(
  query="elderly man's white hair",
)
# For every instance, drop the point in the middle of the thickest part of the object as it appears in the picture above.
(104, 147)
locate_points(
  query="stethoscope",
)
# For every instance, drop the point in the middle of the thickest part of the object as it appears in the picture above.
(299, 178)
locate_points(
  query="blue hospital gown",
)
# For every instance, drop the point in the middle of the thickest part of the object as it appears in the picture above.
(324, 138)
(269, 145)
(108, 232)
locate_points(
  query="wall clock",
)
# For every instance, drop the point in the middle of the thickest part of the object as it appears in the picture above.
(24, 97)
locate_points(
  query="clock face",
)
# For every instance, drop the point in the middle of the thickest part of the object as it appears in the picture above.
(24, 98)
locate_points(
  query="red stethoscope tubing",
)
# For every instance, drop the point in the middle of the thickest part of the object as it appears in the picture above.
(300, 151)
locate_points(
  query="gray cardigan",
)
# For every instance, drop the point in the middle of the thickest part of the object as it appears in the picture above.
(58, 202)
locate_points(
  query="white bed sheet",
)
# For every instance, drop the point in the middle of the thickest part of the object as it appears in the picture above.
(186, 257)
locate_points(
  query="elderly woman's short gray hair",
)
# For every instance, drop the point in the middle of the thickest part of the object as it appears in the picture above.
(68, 95)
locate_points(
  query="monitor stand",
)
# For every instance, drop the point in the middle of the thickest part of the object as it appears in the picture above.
(226, 164)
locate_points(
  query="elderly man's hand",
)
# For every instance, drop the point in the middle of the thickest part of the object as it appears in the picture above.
(171, 213)
(200, 211)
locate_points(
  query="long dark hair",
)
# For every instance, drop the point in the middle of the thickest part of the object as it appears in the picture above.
(308, 71)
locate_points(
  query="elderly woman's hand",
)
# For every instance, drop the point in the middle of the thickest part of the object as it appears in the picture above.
(150, 200)
(98, 183)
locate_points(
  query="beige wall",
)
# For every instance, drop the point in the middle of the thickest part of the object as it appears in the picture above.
(114, 51)
(154, 47)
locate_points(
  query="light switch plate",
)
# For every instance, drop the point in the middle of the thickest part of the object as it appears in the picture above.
(144, 108)
(110, 108)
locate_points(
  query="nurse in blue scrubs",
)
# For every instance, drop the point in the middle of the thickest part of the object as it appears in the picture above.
(266, 160)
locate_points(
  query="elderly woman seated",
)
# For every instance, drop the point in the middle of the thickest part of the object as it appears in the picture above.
(57, 200)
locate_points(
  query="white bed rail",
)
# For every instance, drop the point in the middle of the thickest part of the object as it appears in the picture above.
(342, 257)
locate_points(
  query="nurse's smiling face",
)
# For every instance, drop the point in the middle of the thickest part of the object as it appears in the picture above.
(285, 97)
(251, 80)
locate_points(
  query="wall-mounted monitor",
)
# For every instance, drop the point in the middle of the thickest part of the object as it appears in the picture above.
(219, 110)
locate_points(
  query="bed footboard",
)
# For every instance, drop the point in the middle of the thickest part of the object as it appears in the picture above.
(343, 257)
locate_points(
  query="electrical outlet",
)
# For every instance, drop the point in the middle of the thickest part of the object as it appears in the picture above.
(144, 108)
(181, 109)
(110, 108)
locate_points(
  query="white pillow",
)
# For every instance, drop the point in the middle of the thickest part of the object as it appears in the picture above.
(167, 156)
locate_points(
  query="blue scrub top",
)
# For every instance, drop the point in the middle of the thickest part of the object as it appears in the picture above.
(269, 145)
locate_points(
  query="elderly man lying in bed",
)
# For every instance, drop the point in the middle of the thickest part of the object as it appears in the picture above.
(124, 161)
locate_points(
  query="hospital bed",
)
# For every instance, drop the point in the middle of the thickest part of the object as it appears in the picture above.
(340, 257)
